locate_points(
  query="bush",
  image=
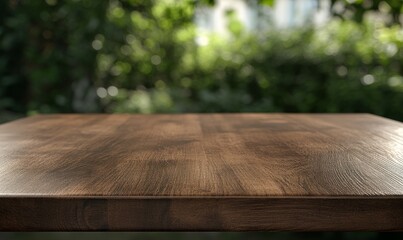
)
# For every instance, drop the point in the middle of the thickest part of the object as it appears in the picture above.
(134, 56)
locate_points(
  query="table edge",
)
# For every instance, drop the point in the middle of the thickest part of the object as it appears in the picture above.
(195, 214)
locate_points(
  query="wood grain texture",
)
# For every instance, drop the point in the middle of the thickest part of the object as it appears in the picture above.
(195, 172)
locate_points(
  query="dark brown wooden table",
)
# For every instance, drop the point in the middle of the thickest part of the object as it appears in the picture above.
(213, 172)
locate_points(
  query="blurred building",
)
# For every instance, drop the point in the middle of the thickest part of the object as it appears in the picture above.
(254, 16)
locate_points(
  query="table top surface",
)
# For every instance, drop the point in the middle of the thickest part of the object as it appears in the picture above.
(201, 172)
(202, 155)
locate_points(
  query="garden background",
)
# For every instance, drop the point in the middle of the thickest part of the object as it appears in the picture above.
(134, 56)
(141, 57)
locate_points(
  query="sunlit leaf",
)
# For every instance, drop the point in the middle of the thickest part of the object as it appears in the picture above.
(269, 3)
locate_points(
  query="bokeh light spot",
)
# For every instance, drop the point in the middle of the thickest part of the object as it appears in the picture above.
(101, 92)
(97, 44)
(113, 91)
(156, 60)
(342, 71)
(368, 79)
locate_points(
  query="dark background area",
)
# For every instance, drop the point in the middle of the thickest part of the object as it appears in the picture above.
(133, 56)
(202, 236)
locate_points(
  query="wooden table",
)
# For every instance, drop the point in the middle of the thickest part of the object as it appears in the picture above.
(215, 172)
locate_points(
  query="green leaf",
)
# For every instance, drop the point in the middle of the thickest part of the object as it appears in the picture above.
(207, 2)
(267, 2)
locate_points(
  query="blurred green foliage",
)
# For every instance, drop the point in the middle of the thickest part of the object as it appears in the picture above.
(390, 11)
(143, 56)
(45, 52)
